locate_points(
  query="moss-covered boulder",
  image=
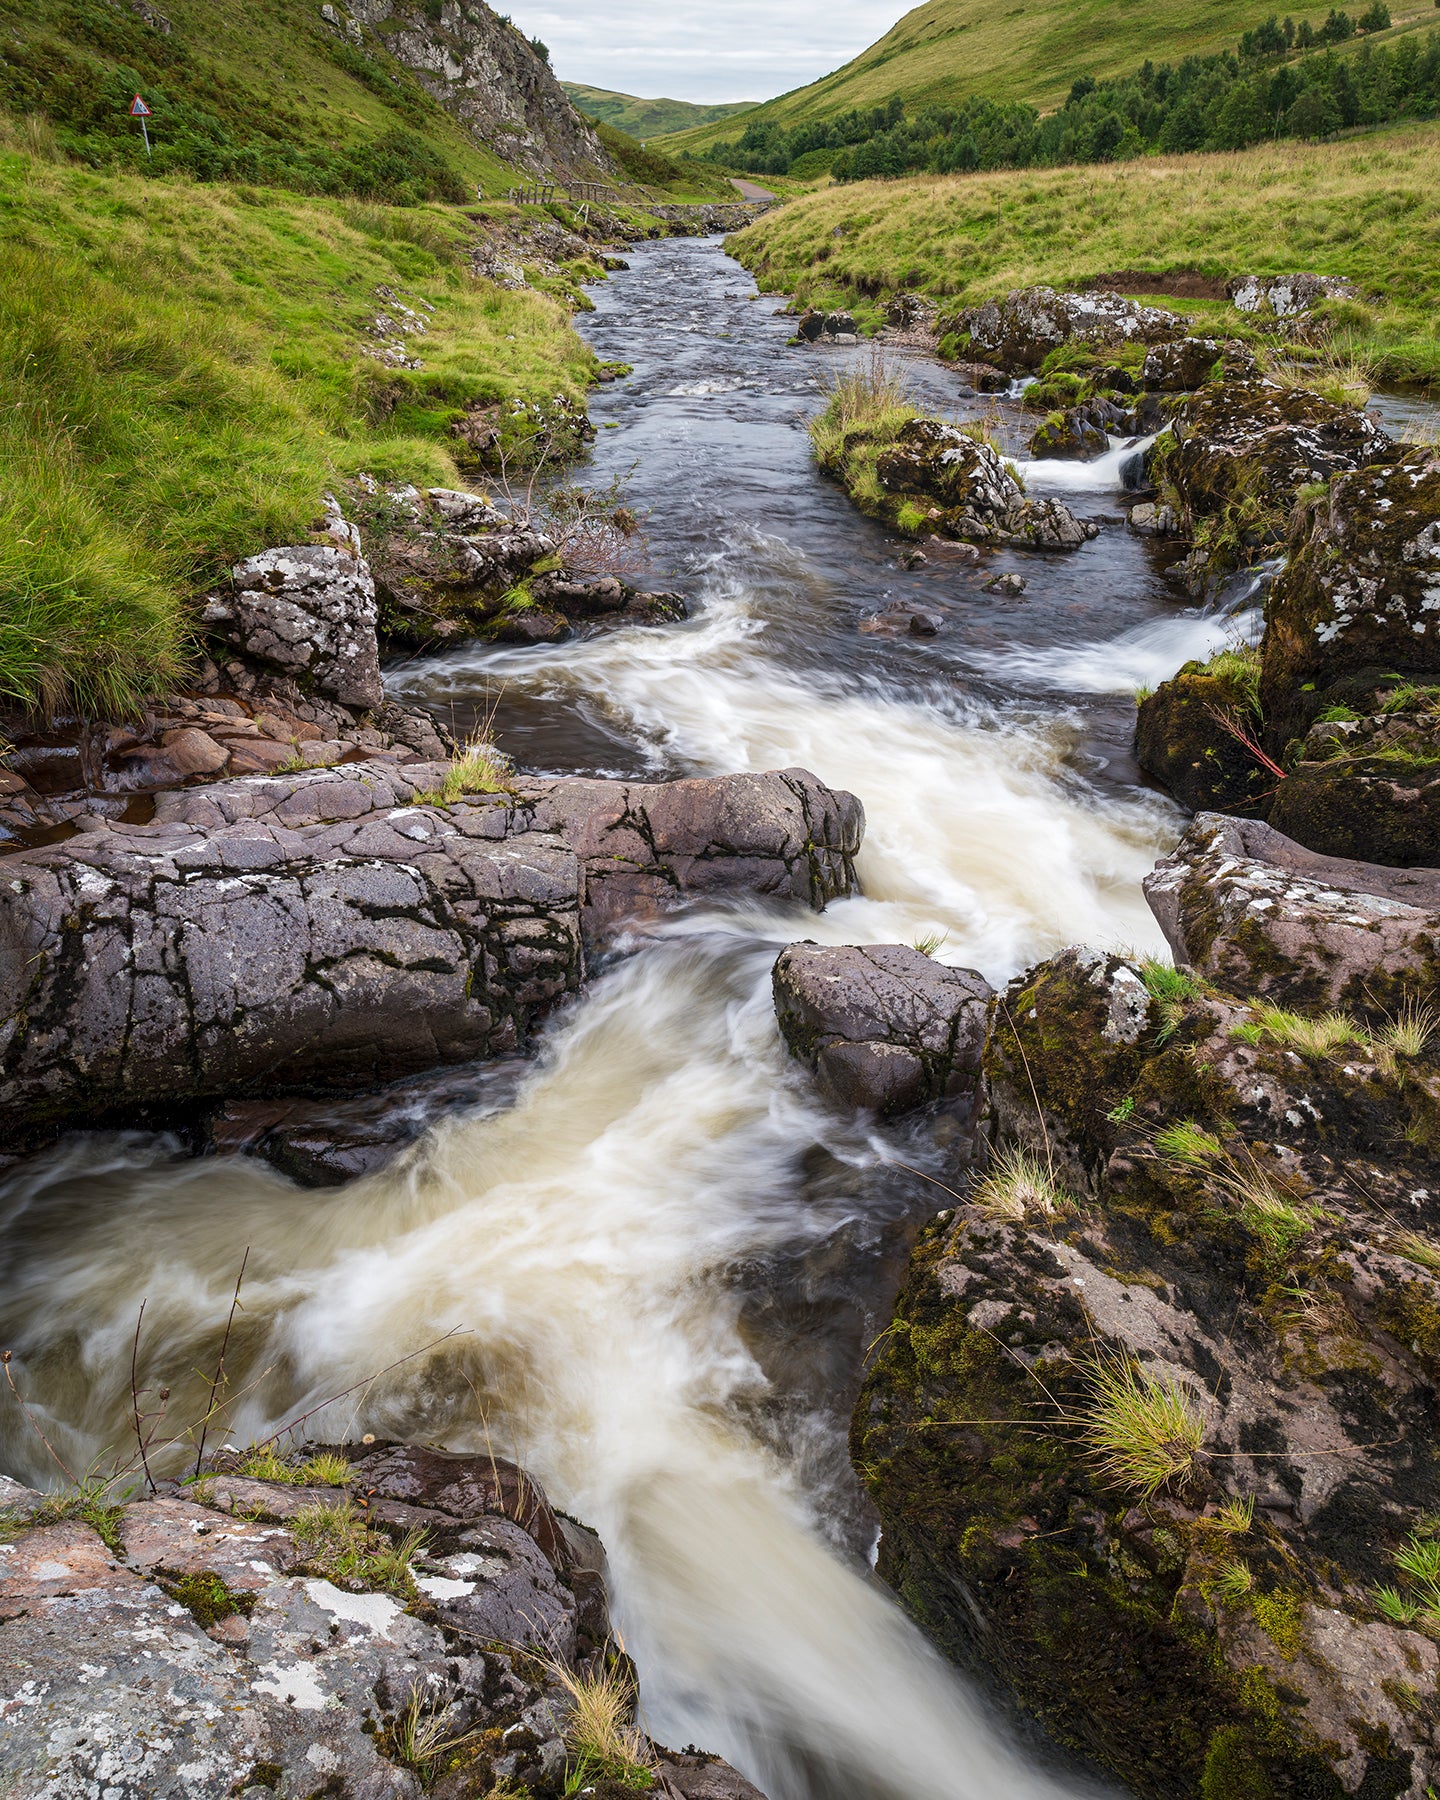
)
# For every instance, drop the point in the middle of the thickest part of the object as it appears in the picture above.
(1195, 733)
(1190, 362)
(1367, 789)
(1074, 435)
(934, 478)
(1019, 332)
(1360, 591)
(1238, 454)
(1146, 1444)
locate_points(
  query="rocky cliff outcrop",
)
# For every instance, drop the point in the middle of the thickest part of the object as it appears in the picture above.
(341, 928)
(1152, 1435)
(486, 74)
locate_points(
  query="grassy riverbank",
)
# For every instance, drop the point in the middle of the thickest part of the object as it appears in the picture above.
(1367, 208)
(185, 369)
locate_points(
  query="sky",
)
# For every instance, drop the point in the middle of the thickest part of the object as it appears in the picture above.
(703, 49)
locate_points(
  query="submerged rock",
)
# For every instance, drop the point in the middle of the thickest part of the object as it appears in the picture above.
(1021, 330)
(884, 1027)
(342, 928)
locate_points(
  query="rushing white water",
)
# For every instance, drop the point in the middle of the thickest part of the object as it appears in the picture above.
(1103, 475)
(974, 825)
(581, 1240)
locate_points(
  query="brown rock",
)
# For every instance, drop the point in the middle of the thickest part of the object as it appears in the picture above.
(193, 752)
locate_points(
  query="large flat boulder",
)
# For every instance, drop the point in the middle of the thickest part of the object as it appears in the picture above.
(1245, 905)
(340, 928)
(883, 1026)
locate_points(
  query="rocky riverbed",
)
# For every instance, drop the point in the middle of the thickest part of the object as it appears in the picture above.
(636, 1078)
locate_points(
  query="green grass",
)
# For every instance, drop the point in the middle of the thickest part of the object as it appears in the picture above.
(1188, 1143)
(1323, 1035)
(336, 1542)
(941, 52)
(184, 377)
(1366, 207)
(646, 119)
(261, 93)
(1143, 1431)
(1172, 990)
(479, 769)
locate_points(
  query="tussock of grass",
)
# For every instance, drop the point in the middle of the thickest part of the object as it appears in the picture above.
(1238, 665)
(1172, 990)
(479, 769)
(866, 408)
(1020, 1187)
(335, 1541)
(600, 1734)
(1339, 374)
(1231, 1583)
(1143, 1431)
(1268, 1211)
(1421, 1251)
(1236, 1516)
(1315, 1037)
(95, 1503)
(1410, 1032)
(1188, 1143)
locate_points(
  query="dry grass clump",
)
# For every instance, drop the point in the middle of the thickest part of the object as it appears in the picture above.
(1319, 1036)
(1019, 1188)
(600, 1733)
(1142, 1431)
(1337, 374)
(869, 400)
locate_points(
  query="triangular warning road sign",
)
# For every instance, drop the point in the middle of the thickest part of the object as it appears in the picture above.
(139, 110)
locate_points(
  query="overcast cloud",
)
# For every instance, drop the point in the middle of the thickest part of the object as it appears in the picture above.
(702, 49)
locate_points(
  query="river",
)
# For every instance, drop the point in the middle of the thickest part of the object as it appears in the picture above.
(661, 1257)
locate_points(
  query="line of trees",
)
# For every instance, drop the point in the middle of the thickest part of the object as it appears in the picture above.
(1259, 91)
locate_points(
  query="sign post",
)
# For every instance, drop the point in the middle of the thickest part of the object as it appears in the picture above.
(139, 110)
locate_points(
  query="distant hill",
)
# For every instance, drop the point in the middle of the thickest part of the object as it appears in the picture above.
(946, 50)
(645, 119)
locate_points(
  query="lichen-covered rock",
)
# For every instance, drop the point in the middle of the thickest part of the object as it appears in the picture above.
(309, 611)
(449, 565)
(1180, 740)
(1361, 590)
(1021, 330)
(1367, 789)
(1245, 1232)
(937, 479)
(341, 928)
(883, 1026)
(1190, 362)
(1248, 907)
(1285, 295)
(198, 1652)
(1252, 445)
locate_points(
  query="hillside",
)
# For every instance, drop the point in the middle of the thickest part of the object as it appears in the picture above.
(645, 119)
(949, 49)
(1366, 208)
(380, 101)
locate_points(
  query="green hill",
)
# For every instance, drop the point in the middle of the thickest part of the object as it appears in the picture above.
(949, 49)
(646, 119)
